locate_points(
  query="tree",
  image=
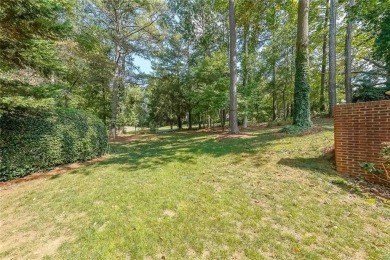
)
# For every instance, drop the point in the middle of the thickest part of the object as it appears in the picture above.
(332, 56)
(233, 121)
(126, 26)
(301, 115)
(382, 43)
(28, 31)
(323, 62)
(348, 55)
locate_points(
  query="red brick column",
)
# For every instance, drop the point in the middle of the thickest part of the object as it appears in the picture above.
(360, 129)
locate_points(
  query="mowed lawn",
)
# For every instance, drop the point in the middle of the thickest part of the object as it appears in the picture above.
(191, 195)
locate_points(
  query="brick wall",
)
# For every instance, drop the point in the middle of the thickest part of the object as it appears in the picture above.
(360, 130)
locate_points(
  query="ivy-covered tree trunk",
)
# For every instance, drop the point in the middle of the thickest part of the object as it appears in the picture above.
(301, 116)
(233, 70)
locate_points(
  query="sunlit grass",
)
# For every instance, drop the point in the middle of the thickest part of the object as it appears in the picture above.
(196, 195)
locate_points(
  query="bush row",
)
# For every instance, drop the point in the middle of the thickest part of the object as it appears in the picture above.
(35, 140)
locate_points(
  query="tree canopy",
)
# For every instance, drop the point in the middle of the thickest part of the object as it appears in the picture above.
(83, 54)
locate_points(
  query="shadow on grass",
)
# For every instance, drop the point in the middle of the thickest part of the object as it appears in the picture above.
(155, 151)
(317, 164)
(322, 166)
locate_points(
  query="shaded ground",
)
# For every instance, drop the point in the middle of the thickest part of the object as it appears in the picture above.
(198, 195)
(51, 173)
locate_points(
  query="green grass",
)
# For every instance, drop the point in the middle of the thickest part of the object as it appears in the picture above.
(196, 195)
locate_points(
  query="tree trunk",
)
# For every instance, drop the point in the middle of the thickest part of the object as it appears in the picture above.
(301, 116)
(233, 70)
(274, 101)
(257, 113)
(179, 122)
(104, 107)
(115, 93)
(284, 103)
(288, 111)
(323, 65)
(388, 75)
(223, 119)
(348, 56)
(332, 56)
(274, 106)
(190, 119)
(200, 121)
(245, 76)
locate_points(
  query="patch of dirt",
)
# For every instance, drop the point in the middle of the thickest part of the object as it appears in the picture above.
(42, 245)
(160, 256)
(238, 256)
(376, 189)
(49, 248)
(132, 138)
(225, 136)
(21, 240)
(268, 255)
(329, 153)
(360, 255)
(169, 213)
(191, 252)
(256, 127)
(315, 129)
(46, 174)
(379, 191)
(205, 254)
(211, 130)
(287, 231)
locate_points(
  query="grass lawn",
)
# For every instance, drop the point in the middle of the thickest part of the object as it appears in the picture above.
(197, 195)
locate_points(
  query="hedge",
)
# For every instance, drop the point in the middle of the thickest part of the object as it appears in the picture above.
(36, 140)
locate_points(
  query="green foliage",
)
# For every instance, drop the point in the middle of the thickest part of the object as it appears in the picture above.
(27, 31)
(382, 42)
(385, 151)
(366, 90)
(35, 139)
(293, 130)
(370, 168)
(374, 15)
(132, 108)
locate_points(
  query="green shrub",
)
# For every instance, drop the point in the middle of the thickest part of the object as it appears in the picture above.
(35, 140)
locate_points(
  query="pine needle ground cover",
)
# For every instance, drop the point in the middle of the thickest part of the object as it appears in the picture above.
(198, 195)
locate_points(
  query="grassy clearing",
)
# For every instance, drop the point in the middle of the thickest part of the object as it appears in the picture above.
(198, 195)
